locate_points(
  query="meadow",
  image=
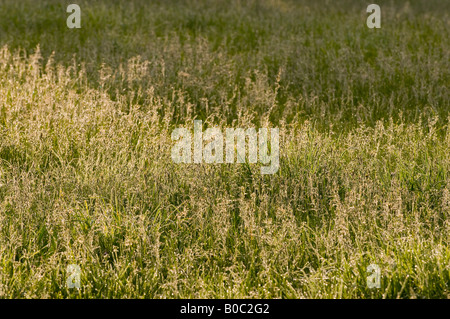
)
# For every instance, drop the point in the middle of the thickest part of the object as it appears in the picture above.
(86, 175)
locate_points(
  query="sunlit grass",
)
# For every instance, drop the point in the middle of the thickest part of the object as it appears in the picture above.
(86, 175)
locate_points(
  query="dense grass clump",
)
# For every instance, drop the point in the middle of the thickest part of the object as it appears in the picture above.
(86, 175)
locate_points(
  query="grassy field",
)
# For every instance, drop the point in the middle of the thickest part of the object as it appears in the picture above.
(86, 175)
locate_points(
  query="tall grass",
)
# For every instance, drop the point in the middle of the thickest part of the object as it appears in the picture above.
(86, 175)
(317, 59)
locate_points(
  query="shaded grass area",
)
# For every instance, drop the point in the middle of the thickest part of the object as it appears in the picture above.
(85, 170)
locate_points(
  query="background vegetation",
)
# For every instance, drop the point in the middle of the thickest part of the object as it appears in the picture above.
(85, 170)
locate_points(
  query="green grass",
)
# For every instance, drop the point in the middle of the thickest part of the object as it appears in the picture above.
(86, 175)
